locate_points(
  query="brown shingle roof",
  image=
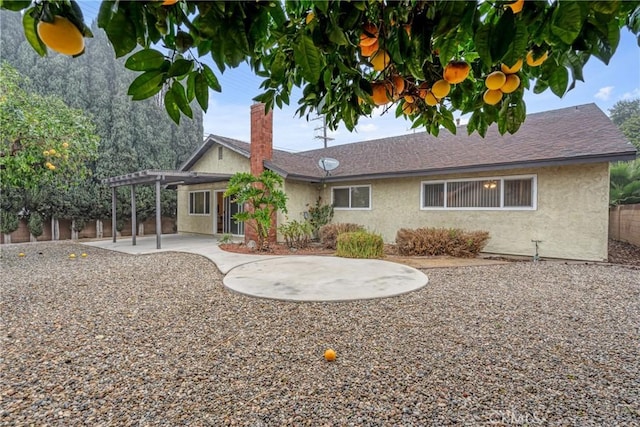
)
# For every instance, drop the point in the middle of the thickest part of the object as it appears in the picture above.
(577, 134)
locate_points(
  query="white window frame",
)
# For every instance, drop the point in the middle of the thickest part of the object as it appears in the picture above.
(206, 206)
(350, 208)
(501, 179)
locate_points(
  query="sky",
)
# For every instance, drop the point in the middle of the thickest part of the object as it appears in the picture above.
(228, 113)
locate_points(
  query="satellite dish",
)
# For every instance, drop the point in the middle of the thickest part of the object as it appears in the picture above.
(328, 164)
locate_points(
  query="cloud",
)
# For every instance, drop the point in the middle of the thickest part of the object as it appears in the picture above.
(631, 95)
(604, 93)
(370, 127)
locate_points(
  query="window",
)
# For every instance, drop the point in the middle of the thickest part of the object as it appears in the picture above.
(516, 192)
(352, 197)
(199, 202)
(220, 151)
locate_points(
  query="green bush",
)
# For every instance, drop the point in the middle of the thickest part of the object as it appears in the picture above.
(440, 241)
(319, 215)
(35, 224)
(329, 233)
(360, 244)
(9, 222)
(296, 234)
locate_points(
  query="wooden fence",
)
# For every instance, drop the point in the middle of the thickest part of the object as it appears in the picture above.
(624, 223)
(61, 230)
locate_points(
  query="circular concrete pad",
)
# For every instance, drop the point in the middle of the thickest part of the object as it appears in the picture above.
(319, 278)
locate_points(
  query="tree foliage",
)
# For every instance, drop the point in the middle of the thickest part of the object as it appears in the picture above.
(626, 115)
(316, 46)
(133, 136)
(43, 141)
(625, 176)
(264, 198)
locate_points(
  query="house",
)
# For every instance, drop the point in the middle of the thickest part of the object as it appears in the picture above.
(549, 182)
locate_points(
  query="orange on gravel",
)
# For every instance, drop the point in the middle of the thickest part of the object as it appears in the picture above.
(380, 60)
(511, 84)
(495, 80)
(492, 97)
(456, 71)
(535, 62)
(61, 35)
(441, 88)
(330, 355)
(513, 69)
(516, 6)
(380, 93)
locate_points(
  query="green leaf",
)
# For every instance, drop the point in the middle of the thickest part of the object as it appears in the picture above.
(180, 98)
(180, 67)
(559, 80)
(29, 25)
(307, 57)
(172, 107)
(212, 80)
(502, 35)
(202, 91)
(191, 85)
(145, 60)
(482, 41)
(336, 35)
(567, 20)
(14, 5)
(146, 85)
(120, 30)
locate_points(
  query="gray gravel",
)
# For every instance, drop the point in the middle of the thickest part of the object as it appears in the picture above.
(115, 339)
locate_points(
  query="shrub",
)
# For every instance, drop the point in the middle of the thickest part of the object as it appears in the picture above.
(329, 233)
(319, 215)
(360, 244)
(296, 234)
(440, 241)
(35, 224)
(9, 222)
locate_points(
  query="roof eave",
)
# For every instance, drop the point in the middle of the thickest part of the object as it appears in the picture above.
(206, 146)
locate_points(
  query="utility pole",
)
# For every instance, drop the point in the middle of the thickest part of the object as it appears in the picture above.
(324, 136)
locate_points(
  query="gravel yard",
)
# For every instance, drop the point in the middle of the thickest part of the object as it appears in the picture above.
(114, 339)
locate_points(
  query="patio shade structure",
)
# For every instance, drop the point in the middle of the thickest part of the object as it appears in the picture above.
(159, 178)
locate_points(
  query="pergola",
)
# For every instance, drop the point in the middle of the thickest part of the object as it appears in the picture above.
(160, 178)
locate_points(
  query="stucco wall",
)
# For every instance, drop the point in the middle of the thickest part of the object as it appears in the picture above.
(571, 217)
(230, 163)
(299, 194)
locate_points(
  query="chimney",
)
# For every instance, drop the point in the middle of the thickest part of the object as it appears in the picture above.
(261, 138)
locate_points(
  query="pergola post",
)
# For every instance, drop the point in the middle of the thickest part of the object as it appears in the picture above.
(113, 213)
(158, 216)
(133, 215)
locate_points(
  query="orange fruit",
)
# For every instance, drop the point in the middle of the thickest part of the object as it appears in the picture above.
(65, 145)
(495, 80)
(398, 86)
(410, 99)
(370, 29)
(456, 71)
(309, 17)
(169, 2)
(61, 35)
(380, 60)
(369, 50)
(441, 88)
(21, 254)
(513, 69)
(516, 6)
(492, 97)
(511, 84)
(423, 89)
(409, 108)
(532, 62)
(380, 93)
(330, 355)
(45, 153)
(431, 99)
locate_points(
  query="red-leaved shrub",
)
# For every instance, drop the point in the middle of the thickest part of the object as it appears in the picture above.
(440, 241)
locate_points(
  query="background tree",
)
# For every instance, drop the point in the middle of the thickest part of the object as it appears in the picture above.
(263, 196)
(424, 59)
(133, 136)
(625, 176)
